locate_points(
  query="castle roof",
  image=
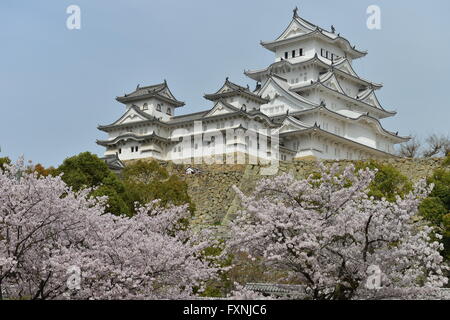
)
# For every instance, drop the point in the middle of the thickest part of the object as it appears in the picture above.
(301, 29)
(361, 118)
(341, 66)
(283, 85)
(319, 131)
(230, 89)
(159, 91)
(132, 136)
(323, 83)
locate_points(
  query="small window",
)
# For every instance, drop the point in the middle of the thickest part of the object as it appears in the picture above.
(327, 54)
(145, 106)
(136, 149)
(169, 111)
(158, 107)
(120, 150)
(286, 55)
(132, 149)
(293, 53)
(300, 52)
(321, 52)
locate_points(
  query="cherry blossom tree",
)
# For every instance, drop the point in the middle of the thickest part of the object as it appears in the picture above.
(325, 233)
(59, 244)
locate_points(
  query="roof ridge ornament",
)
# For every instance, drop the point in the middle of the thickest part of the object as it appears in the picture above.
(333, 29)
(295, 13)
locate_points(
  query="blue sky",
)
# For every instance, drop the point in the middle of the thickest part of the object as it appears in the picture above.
(57, 85)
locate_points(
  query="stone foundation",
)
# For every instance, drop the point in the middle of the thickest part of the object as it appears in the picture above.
(216, 202)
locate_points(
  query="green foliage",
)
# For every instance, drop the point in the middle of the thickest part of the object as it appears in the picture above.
(441, 181)
(83, 170)
(433, 209)
(447, 161)
(144, 171)
(436, 208)
(139, 182)
(86, 170)
(222, 285)
(4, 161)
(146, 181)
(388, 181)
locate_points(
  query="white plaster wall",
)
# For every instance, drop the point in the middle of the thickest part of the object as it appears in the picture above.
(308, 47)
(239, 101)
(151, 108)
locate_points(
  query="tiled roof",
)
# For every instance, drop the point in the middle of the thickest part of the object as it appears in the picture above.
(160, 91)
(230, 89)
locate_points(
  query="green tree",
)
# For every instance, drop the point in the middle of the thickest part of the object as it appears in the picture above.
(87, 170)
(148, 180)
(436, 208)
(388, 181)
(4, 161)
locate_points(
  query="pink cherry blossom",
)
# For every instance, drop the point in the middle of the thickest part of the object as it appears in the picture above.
(325, 233)
(46, 229)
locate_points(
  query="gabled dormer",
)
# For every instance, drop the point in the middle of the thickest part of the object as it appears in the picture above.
(302, 40)
(155, 100)
(237, 96)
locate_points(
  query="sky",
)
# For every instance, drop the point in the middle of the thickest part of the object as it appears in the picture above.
(57, 85)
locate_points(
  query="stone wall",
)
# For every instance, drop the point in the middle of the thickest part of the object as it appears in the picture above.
(216, 202)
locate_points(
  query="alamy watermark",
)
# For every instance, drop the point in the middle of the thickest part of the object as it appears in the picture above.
(373, 281)
(228, 146)
(374, 19)
(74, 278)
(73, 21)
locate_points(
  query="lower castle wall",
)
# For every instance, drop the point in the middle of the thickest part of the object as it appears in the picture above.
(216, 202)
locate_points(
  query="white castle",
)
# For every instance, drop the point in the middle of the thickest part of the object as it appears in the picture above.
(310, 103)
